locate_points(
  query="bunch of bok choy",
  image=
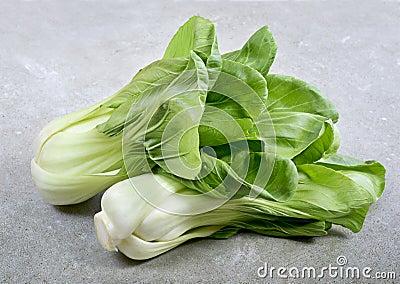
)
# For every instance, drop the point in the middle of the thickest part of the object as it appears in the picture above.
(203, 144)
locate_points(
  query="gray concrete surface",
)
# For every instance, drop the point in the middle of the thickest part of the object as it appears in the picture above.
(58, 56)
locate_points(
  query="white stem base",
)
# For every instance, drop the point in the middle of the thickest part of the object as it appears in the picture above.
(103, 227)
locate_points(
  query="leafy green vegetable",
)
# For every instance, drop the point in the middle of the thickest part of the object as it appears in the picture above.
(200, 144)
(323, 196)
(106, 121)
(261, 45)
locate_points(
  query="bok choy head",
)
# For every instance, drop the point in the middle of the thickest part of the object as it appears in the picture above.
(200, 144)
(336, 191)
(196, 116)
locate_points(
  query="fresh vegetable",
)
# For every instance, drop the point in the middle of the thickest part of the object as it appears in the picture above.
(200, 144)
(204, 100)
(336, 191)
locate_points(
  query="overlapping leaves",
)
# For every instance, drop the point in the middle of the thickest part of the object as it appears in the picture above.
(264, 135)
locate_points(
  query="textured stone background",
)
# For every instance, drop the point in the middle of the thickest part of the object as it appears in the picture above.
(58, 56)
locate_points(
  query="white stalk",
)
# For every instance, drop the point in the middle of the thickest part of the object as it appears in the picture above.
(123, 208)
(137, 248)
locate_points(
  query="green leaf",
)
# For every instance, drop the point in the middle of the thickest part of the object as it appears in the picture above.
(225, 233)
(322, 194)
(290, 133)
(233, 104)
(158, 73)
(242, 84)
(326, 194)
(341, 161)
(289, 227)
(287, 94)
(369, 175)
(261, 174)
(231, 55)
(258, 52)
(273, 177)
(197, 34)
(354, 220)
(163, 123)
(319, 147)
(224, 123)
(335, 144)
